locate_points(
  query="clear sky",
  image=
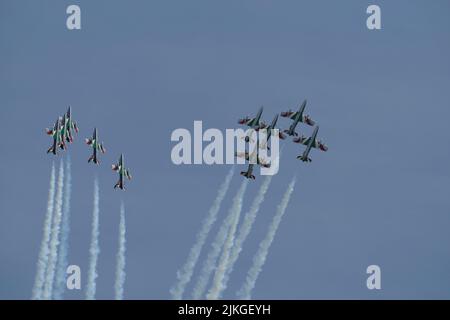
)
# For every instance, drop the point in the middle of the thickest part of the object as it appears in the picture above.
(137, 70)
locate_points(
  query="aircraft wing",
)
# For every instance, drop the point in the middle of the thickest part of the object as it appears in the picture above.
(293, 115)
(74, 126)
(101, 148)
(317, 144)
(252, 122)
(241, 155)
(305, 119)
(313, 143)
(263, 162)
(302, 140)
(247, 121)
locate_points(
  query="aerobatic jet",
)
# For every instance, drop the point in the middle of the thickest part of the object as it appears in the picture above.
(96, 146)
(120, 168)
(254, 123)
(297, 117)
(70, 125)
(311, 142)
(56, 134)
(269, 128)
(259, 161)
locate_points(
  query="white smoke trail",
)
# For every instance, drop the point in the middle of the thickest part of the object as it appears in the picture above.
(120, 268)
(43, 252)
(260, 257)
(94, 249)
(244, 230)
(184, 275)
(216, 247)
(54, 241)
(222, 266)
(60, 280)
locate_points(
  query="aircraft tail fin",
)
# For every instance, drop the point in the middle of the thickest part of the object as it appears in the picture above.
(52, 150)
(304, 159)
(94, 159)
(247, 175)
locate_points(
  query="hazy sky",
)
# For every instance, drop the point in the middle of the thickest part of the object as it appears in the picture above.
(137, 70)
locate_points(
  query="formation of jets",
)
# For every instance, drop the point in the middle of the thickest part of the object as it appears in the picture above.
(296, 116)
(63, 133)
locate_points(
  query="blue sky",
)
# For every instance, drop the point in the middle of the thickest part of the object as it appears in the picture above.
(140, 69)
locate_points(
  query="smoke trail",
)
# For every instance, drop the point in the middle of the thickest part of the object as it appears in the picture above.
(43, 252)
(261, 255)
(185, 273)
(54, 241)
(94, 249)
(120, 268)
(217, 285)
(210, 263)
(244, 230)
(60, 281)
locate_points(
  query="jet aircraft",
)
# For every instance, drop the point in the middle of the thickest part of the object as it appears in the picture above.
(123, 172)
(297, 117)
(70, 125)
(56, 134)
(254, 123)
(311, 142)
(269, 128)
(96, 146)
